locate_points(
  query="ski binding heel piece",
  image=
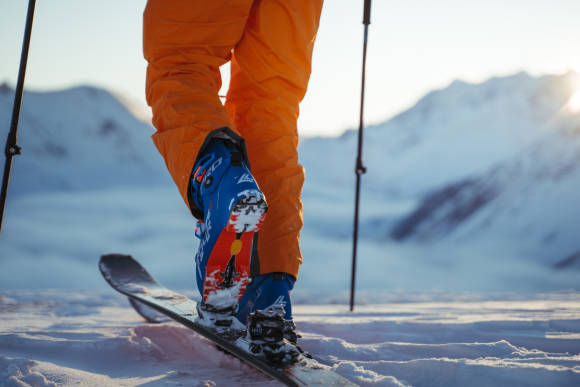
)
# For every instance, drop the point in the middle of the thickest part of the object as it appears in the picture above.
(265, 336)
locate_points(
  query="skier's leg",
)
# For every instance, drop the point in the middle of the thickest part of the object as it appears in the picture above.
(185, 42)
(270, 73)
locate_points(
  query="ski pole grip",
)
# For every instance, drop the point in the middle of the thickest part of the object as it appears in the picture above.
(367, 13)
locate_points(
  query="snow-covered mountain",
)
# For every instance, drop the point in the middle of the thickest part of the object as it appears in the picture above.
(529, 198)
(498, 161)
(490, 168)
(79, 139)
(449, 134)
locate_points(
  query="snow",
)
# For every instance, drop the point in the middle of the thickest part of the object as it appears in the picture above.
(487, 297)
(492, 164)
(93, 338)
(247, 213)
(80, 139)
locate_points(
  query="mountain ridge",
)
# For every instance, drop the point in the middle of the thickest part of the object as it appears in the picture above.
(469, 161)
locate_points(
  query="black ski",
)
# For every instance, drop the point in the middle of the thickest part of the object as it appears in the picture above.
(128, 277)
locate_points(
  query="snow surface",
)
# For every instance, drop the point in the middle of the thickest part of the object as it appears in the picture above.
(53, 338)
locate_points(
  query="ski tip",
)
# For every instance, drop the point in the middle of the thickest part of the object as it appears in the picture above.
(108, 260)
(115, 256)
(118, 269)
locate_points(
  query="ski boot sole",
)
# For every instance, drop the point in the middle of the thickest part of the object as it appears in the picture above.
(228, 267)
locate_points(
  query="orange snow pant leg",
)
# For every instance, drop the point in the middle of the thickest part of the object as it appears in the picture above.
(269, 74)
(185, 43)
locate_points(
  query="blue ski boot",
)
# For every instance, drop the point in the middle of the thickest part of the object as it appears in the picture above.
(234, 210)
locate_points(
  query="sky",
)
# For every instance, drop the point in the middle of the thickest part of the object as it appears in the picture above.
(414, 46)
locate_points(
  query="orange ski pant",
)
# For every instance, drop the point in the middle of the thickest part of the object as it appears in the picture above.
(269, 43)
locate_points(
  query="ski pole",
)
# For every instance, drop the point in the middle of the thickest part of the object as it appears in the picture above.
(360, 169)
(12, 149)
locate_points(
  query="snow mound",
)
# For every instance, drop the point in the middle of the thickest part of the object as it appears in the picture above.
(22, 373)
(47, 340)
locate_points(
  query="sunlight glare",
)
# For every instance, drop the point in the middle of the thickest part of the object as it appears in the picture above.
(574, 102)
(574, 64)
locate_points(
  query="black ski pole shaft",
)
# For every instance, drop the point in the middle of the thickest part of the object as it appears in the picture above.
(359, 167)
(12, 149)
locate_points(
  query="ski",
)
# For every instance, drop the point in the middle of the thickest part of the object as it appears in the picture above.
(128, 277)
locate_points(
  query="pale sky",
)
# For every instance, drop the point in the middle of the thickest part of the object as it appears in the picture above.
(414, 46)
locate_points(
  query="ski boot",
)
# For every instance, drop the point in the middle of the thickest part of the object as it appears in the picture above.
(265, 336)
(233, 208)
